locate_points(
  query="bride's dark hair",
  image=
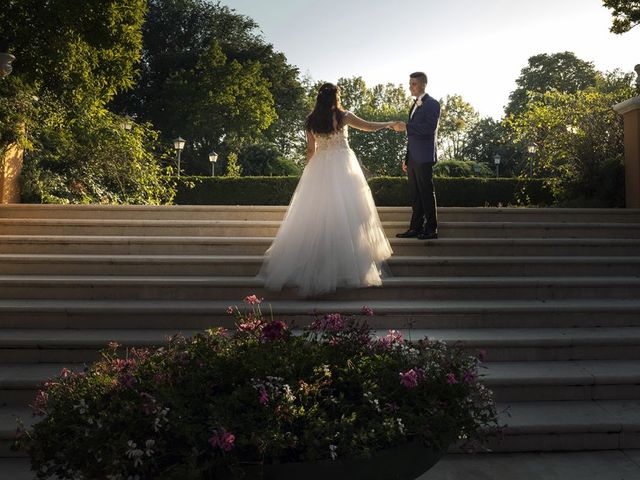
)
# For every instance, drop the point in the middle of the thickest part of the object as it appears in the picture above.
(327, 103)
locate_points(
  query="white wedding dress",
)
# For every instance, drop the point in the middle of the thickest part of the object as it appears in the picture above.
(331, 234)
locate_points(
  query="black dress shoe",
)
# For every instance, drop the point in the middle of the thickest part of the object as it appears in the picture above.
(409, 234)
(428, 236)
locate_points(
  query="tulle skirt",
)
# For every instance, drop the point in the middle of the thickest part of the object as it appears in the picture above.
(331, 235)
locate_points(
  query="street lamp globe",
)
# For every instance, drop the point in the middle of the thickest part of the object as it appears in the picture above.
(532, 148)
(213, 157)
(178, 143)
(5, 64)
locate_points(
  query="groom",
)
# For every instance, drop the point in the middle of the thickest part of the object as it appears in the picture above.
(421, 156)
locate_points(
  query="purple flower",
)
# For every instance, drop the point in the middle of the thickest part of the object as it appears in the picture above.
(331, 323)
(469, 376)
(367, 311)
(264, 396)
(223, 440)
(273, 330)
(482, 355)
(409, 379)
(451, 379)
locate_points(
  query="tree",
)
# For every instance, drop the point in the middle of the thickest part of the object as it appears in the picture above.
(488, 138)
(85, 55)
(457, 117)
(176, 92)
(626, 14)
(264, 159)
(579, 141)
(380, 152)
(71, 62)
(562, 72)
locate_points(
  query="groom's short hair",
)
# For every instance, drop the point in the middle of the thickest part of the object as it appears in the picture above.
(420, 76)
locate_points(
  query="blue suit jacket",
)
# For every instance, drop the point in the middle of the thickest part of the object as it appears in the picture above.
(422, 131)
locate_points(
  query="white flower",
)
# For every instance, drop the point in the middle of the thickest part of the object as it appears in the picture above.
(419, 103)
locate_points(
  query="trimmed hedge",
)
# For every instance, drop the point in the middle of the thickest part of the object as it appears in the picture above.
(387, 191)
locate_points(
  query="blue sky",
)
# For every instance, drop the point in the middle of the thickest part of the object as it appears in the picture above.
(475, 48)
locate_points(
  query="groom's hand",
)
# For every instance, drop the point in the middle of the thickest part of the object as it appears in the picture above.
(399, 127)
(404, 167)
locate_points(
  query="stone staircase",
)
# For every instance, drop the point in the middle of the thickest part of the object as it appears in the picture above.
(552, 295)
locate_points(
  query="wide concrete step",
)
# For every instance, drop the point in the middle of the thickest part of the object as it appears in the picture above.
(429, 314)
(570, 425)
(262, 228)
(262, 212)
(142, 245)
(249, 265)
(394, 288)
(497, 344)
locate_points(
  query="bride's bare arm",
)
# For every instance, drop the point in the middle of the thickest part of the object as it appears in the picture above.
(311, 145)
(361, 124)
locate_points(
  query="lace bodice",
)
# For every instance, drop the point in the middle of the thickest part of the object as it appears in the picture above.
(336, 140)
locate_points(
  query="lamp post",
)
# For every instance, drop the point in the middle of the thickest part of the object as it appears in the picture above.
(127, 122)
(532, 148)
(5, 64)
(213, 158)
(496, 160)
(178, 144)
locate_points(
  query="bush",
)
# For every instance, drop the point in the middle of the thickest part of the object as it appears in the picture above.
(206, 407)
(387, 191)
(264, 159)
(461, 168)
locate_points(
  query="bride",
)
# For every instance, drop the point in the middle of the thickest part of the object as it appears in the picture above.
(331, 234)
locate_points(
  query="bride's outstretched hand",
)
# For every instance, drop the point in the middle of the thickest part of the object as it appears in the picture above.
(398, 126)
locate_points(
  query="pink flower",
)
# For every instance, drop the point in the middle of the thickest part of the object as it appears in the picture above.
(273, 330)
(66, 372)
(367, 311)
(264, 396)
(113, 345)
(390, 339)
(451, 379)
(252, 300)
(331, 322)
(230, 310)
(222, 440)
(409, 379)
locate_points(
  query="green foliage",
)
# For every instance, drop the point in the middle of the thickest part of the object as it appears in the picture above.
(380, 152)
(562, 72)
(234, 170)
(489, 137)
(263, 159)
(210, 78)
(387, 191)
(626, 14)
(461, 168)
(466, 192)
(212, 405)
(580, 144)
(70, 62)
(457, 118)
(88, 157)
(85, 54)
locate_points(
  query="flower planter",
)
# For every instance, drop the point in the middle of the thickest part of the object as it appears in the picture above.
(403, 462)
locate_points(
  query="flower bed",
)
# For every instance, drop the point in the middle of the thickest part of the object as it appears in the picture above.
(221, 403)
